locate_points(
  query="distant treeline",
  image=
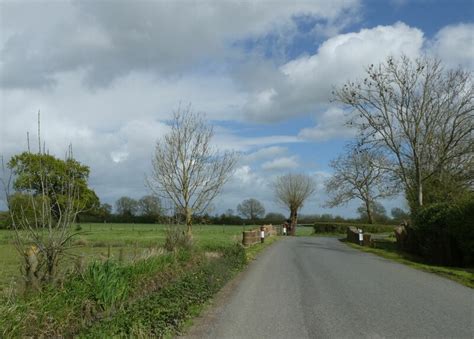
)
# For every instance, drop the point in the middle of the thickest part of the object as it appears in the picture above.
(223, 219)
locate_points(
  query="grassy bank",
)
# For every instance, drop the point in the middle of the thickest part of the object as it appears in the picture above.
(101, 241)
(151, 296)
(387, 248)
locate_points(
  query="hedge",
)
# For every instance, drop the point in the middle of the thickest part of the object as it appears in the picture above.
(335, 227)
(443, 233)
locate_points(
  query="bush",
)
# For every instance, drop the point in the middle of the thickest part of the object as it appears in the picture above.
(443, 233)
(4, 220)
(334, 227)
(177, 238)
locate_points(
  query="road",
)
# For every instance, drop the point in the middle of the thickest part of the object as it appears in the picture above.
(316, 287)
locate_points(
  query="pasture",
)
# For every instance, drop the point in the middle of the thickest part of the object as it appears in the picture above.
(125, 241)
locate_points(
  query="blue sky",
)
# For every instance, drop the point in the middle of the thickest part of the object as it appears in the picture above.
(108, 75)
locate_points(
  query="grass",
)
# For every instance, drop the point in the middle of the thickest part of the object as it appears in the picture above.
(304, 231)
(387, 248)
(139, 297)
(99, 241)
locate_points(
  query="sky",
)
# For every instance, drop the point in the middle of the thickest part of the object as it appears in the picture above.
(107, 76)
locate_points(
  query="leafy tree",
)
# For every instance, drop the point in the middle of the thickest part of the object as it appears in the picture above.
(399, 215)
(48, 194)
(251, 209)
(126, 206)
(104, 211)
(378, 212)
(274, 218)
(41, 173)
(149, 205)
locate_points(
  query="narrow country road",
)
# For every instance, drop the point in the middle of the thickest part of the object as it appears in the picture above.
(320, 288)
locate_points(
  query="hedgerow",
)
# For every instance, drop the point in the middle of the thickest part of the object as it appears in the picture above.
(334, 227)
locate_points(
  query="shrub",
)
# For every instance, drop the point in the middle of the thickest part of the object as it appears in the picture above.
(177, 238)
(4, 220)
(443, 233)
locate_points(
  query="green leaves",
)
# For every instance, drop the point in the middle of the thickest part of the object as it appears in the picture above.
(43, 174)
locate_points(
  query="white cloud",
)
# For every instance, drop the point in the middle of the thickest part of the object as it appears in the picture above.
(264, 153)
(281, 164)
(109, 40)
(307, 81)
(454, 44)
(329, 125)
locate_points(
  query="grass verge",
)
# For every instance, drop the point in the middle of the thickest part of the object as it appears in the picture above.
(151, 297)
(387, 248)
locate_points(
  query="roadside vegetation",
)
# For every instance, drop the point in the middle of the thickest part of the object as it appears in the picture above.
(387, 248)
(150, 293)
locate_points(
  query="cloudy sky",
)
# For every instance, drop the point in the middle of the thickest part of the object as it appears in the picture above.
(106, 76)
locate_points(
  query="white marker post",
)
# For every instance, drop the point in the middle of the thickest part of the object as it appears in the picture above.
(361, 237)
(262, 235)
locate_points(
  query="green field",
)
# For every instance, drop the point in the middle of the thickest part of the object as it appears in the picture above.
(130, 241)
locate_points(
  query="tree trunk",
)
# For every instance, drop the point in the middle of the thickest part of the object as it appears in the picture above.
(294, 220)
(189, 221)
(369, 213)
(420, 194)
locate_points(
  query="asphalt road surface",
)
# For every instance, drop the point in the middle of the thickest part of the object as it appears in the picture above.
(320, 288)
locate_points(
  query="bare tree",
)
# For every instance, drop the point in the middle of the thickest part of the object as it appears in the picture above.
(360, 174)
(251, 209)
(291, 191)
(186, 169)
(43, 211)
(420, 114)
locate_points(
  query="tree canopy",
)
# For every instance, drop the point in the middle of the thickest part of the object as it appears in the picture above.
(41, 173)
(251, 209)
(421, 115)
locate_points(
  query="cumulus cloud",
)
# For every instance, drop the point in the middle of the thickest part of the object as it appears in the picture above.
(108, 76)
(308, 80)
(454, 44)
(110, 40)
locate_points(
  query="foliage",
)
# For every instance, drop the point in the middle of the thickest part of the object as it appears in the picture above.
(341, 228)
(158, 293)
(399, 215)
(444, 233)
(165, 312)
(48, 195)
(388, 249)
(177, 238)
(4, 220)
(126, 206)
(251, 209)
(84, 298)
(105, 284)
(149, 205)
(274, 218)
(378, 212)
(38, 173)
